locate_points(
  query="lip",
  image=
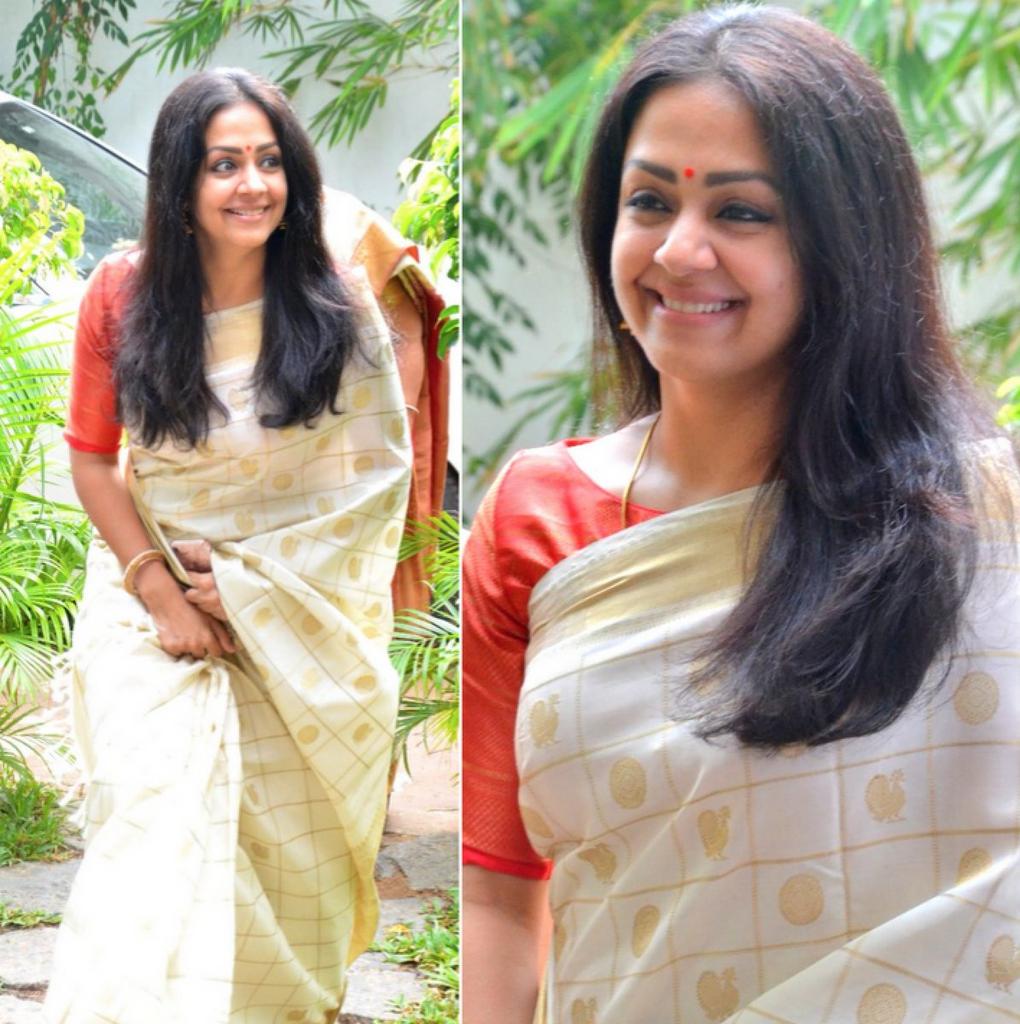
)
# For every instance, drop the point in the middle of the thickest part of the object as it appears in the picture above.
(701, 306)
(248, 213)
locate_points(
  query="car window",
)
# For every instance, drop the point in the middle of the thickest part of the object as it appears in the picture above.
(110, 192)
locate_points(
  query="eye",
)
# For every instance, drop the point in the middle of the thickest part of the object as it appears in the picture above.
(645, 202)
(272, 161)
(224, 164)
(744, 214)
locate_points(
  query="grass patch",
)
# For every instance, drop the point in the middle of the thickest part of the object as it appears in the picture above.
(435, 951)
(13, 917)
(32, 822)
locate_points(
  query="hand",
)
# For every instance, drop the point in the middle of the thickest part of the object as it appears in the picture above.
(181, 627)
(205, 595)
(194, 555)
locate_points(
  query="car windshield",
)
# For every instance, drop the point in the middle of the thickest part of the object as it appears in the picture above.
(110, 192)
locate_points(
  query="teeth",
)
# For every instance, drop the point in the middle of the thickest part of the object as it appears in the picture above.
(696, 307)
(248, 213)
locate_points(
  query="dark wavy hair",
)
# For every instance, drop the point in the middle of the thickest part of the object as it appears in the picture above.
(859, 582)
(309, 326)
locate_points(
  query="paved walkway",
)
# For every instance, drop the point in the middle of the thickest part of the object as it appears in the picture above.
(418, 861)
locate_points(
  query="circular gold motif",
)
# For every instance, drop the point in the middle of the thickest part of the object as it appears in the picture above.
(362, 397)
(289, 546)
(282, 481)
(396, 429)
(308, 734)
(364, 464)
(310, 677)
(882, 1004)
(343, 527)
(323, 443)
(236, 398)
(310, 625)
(324, 506)
(249, 466)
(297, 1015)
(582, 1011)
(792, 750)
(259, 851)
(264, 616)
(288, 432)
(559, 939)
(201, 498)
(390, 502)
(977, 698)
(245, 521)
(972, 863)
(354, 567)
(374, 610)
(364, 684)
(370, 632)
(627, 783)
(534, 822)
(253, 796)
(1002, 964)
(362, 732)
(392, 537)
(801, 899)
(646, 920)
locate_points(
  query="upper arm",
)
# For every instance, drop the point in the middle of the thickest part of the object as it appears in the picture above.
(407, 327)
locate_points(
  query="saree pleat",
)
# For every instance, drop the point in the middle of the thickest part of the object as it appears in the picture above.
(235, 805)
(874, 880)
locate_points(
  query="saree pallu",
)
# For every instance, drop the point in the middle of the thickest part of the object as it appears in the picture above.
(874, 880)
(235, 805)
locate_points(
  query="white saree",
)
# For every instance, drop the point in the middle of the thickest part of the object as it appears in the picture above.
(235, 805)
(875, 880)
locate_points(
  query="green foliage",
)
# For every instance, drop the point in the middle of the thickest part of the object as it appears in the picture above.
(32, 822)
(345, 44)
(42, 542)
(540, 69)
(56, 28)
(431, 213)
(13, 917)
(425, 649)
(436, 952)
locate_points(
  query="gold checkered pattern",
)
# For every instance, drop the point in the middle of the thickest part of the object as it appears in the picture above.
(875, 880)
(235, 805)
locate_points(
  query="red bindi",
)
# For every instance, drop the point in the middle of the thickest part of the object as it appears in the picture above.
(688, 172)
(247, 149)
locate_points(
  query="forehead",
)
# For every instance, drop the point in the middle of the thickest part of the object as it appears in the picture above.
(706, 125)
(240, 123)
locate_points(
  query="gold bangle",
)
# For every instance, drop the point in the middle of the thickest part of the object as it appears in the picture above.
(142, 558)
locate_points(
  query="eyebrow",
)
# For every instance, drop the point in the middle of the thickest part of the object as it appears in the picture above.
(711, 179)
(238, 150)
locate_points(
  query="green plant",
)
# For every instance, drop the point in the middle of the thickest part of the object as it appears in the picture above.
(540, 69)
(57, 26)
(431, 213)
(42, 542)
(14, 917)
(345, 44)
(32, 821)
(425, 649)
(435, 950)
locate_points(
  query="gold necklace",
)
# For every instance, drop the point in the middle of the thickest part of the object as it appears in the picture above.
(625, 500)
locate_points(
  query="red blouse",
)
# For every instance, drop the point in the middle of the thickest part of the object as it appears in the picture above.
(542, 508)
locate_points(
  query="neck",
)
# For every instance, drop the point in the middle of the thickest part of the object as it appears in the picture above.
(713, 441)
(231, 278)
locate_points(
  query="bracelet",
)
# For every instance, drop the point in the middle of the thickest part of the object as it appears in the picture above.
(142, 558)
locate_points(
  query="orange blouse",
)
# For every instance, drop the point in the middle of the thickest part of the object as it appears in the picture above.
(542, 509)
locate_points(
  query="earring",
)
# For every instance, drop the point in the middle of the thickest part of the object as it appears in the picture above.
(624, 326)
(188, 229)
(282, 226)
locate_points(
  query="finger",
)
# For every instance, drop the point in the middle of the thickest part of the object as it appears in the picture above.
(195, 596)
(226, 641)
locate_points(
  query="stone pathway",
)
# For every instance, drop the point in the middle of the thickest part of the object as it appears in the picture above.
(417, 863)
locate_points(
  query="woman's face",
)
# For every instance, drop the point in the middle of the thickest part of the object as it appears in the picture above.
(702, 264)
(241, 190)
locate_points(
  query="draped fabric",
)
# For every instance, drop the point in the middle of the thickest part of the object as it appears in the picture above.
(235, 805)
(874, 880)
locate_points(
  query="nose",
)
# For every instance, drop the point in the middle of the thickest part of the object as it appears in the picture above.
(687, 246)
(251, 177)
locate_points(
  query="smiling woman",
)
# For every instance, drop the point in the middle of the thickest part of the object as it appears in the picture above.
(726, 667)
(234, 699)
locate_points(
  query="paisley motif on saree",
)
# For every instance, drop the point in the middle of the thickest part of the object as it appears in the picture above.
(874, 880)
(235, 805)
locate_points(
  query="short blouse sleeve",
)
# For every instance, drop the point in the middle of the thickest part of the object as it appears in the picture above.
(92, 424)
(495, 639)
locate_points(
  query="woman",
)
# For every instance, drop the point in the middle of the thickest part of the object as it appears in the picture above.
(235, 721)
(727, 668)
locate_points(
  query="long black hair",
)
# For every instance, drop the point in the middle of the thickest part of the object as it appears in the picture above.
(859, 583)
(309, 326)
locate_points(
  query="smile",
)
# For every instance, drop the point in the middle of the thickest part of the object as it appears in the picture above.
(697, 307)
(249, 213)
